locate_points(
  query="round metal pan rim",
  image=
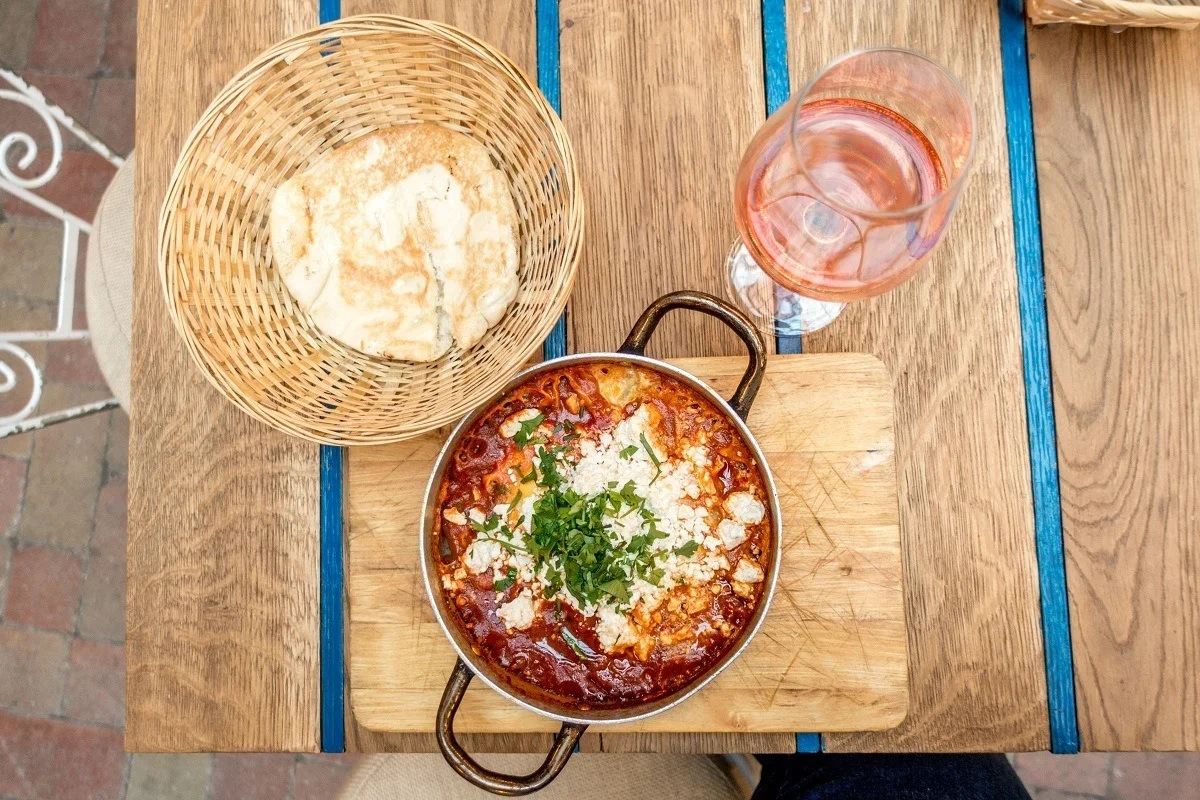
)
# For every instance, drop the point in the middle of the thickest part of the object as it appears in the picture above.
(639, 710)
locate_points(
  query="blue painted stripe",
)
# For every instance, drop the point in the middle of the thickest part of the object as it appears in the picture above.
(333, 736)
(777, 83)
(548, 78)
(778, 88)
(329, 10)
(1043, 451)
(332, 641)
(808, 742)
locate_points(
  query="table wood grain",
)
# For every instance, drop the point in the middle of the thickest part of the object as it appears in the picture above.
(951, 338)
(1116, 121)
(659, 129)
(512, 29)
(661, 98)
(222, 632)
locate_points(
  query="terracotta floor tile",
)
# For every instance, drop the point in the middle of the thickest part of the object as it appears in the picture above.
(15, 446)
(16, 34)
(319, 780)
(77, 187)
(65, 471)
(95, 689)
(73, 362)
(178, 776)
(111, 118)
(6, 548)
(120, 47)
(32, 670)
(34, 249)
(1085, 773)
(69, 35)
(108, 535)
(1155, 776)
(102, 614)
(44, 588)
(1055, 794)
(72, 93)
(42, 758)
(116, 456)
(256, 776)
(12, 487)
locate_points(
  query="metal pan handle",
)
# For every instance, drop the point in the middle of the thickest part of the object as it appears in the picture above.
(472, 770)
(643, 329)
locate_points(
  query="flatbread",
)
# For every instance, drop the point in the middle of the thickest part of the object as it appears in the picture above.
(401, 243)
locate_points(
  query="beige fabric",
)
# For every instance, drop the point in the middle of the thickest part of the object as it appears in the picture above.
(588, 776)
(108, 282)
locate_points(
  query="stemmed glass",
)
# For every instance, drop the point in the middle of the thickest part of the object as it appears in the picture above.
(845, 191)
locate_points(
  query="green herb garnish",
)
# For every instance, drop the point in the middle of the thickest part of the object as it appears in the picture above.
(524, 433)
(688, 549)
(508, 580)
(511, 547)
(568, 531)
(628, 452)
(490, 523)
(654, 458)
(573, 642)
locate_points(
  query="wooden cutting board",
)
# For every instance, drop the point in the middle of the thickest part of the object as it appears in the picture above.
(831, 655)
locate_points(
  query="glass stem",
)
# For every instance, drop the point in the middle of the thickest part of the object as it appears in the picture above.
(773, 306)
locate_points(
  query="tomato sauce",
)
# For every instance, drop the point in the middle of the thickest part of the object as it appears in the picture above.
(559, 658)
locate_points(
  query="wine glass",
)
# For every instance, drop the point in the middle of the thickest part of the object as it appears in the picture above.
(846, 189)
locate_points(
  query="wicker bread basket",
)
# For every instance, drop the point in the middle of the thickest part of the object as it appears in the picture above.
(1118, 13)
(300, 99)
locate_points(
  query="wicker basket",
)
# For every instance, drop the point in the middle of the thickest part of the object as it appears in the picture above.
(1120, 13)
(303, 97)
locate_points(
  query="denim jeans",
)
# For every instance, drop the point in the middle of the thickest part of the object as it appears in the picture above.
(836, 776)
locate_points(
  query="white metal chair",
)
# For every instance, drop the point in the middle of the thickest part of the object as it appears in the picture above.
(20, 149)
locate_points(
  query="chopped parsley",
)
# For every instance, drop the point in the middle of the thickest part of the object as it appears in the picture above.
(628, 452)
(654, 458)
(687, 549)
(567, 531)
(577, 645)
(490, 523)
(508, 580)
(526, 429)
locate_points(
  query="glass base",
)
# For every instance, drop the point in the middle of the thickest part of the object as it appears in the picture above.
(772, 306)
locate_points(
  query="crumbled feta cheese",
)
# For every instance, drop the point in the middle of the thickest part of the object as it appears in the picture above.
(614, 629)
(476, 516)
(482, 554)
(717, 562)
(745, 590)
(697, 573)
(748, 572)
(696, 454)
(455, 516)
(510, 426)
(745, 508)
(732, 533)
(518, 613)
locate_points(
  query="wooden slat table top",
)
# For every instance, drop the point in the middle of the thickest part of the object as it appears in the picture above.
(951, 337)
(1116, 119)
(660, 99)
(222, 649)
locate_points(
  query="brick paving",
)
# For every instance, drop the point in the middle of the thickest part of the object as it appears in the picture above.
(63, 495)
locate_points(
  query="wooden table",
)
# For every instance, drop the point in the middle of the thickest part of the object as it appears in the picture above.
(1030, 627)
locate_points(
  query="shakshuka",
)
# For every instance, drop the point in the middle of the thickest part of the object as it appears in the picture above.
(602, 535)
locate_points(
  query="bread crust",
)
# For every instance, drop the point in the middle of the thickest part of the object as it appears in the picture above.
(400, 243)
